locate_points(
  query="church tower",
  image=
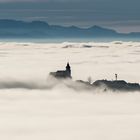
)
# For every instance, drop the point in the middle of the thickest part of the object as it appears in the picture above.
(68, 70)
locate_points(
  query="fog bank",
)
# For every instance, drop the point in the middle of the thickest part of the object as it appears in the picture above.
(31, 109)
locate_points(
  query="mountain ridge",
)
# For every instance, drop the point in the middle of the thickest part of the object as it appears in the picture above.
(41, 29)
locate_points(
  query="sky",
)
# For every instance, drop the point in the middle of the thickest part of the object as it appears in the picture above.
(122, 15)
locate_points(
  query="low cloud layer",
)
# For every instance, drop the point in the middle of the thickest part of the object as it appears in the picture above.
(68, 114)
(31, 109)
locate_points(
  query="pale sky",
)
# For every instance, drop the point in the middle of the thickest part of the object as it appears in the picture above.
(122, 15)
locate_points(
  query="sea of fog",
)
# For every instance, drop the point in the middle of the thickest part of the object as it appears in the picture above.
(30, 110)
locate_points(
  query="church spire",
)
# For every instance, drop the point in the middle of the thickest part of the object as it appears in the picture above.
(68, 69)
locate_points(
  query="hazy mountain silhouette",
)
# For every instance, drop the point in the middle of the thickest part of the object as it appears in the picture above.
(41, 29)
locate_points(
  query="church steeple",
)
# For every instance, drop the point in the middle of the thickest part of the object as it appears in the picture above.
(68, 66)
(68, 69)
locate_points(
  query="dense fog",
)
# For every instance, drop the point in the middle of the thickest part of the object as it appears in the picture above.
(30, 109)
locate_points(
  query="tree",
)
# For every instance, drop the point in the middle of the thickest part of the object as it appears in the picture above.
(90, 80)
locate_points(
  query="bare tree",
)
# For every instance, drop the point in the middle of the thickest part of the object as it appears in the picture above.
(89, 80)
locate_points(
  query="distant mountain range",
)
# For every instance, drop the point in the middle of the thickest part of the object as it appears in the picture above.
(41, 29)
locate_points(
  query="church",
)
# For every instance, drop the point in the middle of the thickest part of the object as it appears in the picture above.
(62, 73)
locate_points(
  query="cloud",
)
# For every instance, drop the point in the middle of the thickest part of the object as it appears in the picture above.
(22, 0)
(75, 12)
(51, 83)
